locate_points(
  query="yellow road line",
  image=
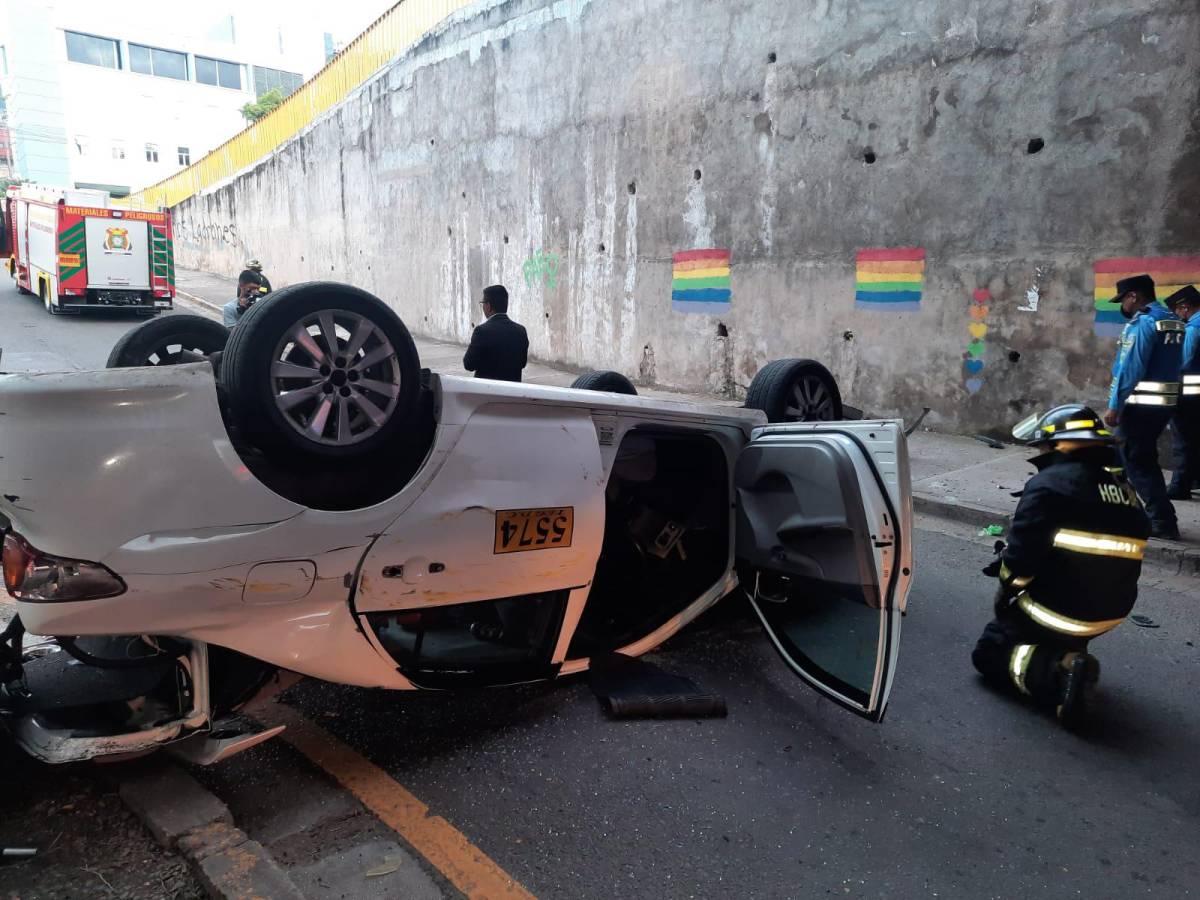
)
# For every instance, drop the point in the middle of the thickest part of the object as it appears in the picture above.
(466, 866)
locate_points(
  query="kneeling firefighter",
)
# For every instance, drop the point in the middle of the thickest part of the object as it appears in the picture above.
(1070, 570)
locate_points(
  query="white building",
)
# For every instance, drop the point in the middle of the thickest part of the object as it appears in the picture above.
(119, 96)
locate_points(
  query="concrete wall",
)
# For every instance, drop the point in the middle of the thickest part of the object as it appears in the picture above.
(569, 149)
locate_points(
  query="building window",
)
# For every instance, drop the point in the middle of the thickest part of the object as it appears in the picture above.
(163, 63)
(185, 156)
(152, 153)
(81, 145)
(118, 150)
(218, 72)
(275, 79)
(95, 51)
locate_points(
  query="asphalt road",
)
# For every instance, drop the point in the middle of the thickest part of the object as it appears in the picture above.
(961, 792)
(35, 341)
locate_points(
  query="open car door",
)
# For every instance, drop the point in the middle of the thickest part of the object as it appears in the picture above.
(824, 552)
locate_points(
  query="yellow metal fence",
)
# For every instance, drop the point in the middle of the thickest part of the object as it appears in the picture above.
(386, 38)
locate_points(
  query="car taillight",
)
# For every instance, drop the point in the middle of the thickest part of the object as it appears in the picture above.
(39, 577)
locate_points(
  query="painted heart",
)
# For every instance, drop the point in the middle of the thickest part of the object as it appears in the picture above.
(974, 384)
(975, 348)
(974, 366)
(982, 295)
(979, 312)
(978, 330)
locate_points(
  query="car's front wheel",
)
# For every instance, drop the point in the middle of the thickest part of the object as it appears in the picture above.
(168, 341)
(322, 370)
(795, 390)
(613, 382)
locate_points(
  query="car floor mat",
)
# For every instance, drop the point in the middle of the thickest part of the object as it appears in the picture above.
(629, 688)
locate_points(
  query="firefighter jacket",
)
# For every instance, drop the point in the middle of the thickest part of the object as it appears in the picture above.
(1146, 370)
(1075, 548)
(1190, 367)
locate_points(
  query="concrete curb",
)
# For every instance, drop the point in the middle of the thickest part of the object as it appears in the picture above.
(206, 305)
(185, 817)
(1179, 558)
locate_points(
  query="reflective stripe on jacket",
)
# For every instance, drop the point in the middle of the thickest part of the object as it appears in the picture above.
(1146, 371)
(1075, 549)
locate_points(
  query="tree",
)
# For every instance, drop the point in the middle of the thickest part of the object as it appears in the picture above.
(252, 112)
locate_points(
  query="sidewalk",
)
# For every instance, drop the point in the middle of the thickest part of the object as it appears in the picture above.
(954, 477)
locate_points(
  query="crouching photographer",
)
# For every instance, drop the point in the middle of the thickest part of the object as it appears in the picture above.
(252, 286)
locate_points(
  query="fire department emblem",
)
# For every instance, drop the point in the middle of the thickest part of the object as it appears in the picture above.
(116, 240)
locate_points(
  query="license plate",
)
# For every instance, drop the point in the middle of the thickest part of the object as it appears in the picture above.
(518, 530)
(164, 303)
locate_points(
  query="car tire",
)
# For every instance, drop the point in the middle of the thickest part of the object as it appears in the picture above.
(795, 390)
(164, 342)
(289, 396)
(613, 382)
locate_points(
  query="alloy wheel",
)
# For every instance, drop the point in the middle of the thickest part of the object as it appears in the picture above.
(335, 377)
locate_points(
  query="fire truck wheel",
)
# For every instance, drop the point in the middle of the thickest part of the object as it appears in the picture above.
(321, 369)
(168, 341)
(45, 295)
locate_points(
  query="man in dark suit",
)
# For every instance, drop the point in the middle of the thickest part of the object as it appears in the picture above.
(499, 346)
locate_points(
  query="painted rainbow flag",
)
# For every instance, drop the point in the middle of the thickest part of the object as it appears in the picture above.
(1170, 273)
(890, 280)
(700, 282)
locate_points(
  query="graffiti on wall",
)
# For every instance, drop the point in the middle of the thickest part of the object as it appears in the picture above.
(700, 282)
(206, 234)
(1170, 273)
(977, 328)
(889, 280)
(542, 268)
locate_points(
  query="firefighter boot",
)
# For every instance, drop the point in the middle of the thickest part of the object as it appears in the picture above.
(1077, 672)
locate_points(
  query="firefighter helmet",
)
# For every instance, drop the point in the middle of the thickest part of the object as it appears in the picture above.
(1070, 422)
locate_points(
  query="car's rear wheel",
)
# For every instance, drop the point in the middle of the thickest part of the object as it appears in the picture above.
(168, 341)
(321, 369)
(795, 390)
(613, 382)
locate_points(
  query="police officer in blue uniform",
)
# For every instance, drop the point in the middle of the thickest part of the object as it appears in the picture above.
(1070, 570)
(1185, 303)
(1145, 392)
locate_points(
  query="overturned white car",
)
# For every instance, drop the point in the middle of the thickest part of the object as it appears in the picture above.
(307, 499)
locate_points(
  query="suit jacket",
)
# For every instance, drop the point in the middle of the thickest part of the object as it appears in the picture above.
(499, 349)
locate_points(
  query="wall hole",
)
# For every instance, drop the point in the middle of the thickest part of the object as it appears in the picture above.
(869, 156)
(1014, 356)
(449, 231)
(1035, 146)
(633, 187)
(722, 331)
(771, 57)
(464, 195)
(301, 259)
(547, 315)
(847, 335)
(506, 239)
(696, 174)
(601, 248)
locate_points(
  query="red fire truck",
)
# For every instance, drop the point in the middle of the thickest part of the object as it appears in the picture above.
(76, 251)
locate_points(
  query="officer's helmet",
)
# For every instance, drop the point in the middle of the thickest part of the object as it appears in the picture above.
(1070, 422)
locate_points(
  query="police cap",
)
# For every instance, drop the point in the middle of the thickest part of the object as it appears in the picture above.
(1187, 294)
(1143, 284)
